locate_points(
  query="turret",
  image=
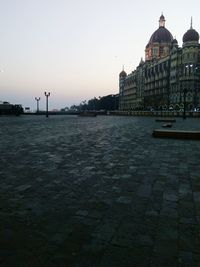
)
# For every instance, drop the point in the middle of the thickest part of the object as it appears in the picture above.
(162, 21)
(191, 35)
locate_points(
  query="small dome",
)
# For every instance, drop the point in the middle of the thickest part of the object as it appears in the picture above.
(122, 74)
(191, 35)
(174, 41)
(161, 35)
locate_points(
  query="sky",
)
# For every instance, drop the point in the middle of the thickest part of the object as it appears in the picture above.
(75, 49)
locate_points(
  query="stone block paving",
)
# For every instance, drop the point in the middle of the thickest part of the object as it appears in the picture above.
(98, 192)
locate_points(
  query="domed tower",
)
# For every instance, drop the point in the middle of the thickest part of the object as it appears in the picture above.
(122, 78)
(122, 74)
(190, 68)
(191, 36)
(190, 46)
(160, 42)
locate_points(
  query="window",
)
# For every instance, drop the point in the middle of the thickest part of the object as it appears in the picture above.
(154, 51)
(161, 50)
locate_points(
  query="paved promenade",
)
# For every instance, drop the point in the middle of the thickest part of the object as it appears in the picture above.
(97, 192)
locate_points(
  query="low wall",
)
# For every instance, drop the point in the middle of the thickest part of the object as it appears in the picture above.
(155, 113)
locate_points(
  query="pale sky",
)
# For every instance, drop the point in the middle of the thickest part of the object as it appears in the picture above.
(75, 49)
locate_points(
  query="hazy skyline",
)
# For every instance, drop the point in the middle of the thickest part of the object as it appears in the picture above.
(75, 49)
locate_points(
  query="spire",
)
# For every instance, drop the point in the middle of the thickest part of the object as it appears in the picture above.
(191, 23)
(141, 61)
(122, 73)
(162, 21)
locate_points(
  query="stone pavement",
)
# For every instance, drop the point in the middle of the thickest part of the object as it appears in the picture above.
(97, 192)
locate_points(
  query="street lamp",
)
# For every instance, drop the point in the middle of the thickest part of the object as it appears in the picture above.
(37, 99)
(47, 95)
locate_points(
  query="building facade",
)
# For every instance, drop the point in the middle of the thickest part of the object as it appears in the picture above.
(168, 78)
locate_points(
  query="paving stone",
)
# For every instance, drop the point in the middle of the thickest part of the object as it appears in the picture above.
(167, 233)
(189, 237)
(170, 197)
(82, 212)
(23, 187)
(124, 200)
(186, 258)
(116, 189)
(196, 197)
(144, 191)
(126, 176)
(120, 256)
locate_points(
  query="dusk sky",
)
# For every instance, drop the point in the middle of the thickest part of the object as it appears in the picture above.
(75, 49)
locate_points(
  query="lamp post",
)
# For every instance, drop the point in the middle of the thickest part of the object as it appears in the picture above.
(47, 95)
(37, 99)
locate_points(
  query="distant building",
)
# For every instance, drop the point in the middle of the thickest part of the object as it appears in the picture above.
(9, 109)
(169, 78)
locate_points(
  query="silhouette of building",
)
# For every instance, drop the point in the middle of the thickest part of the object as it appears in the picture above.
(10, 109)
(169, 78)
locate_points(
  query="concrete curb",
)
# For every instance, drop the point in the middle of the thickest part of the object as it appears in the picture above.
(179, 134)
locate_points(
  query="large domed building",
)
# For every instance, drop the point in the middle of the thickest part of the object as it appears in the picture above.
(169, 78)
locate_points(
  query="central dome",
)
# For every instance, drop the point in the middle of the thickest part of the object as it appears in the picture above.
(160, 42)
(161, 35)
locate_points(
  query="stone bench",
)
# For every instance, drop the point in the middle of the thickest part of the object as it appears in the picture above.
(165, 120)
(179, 134)
(167, 125)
